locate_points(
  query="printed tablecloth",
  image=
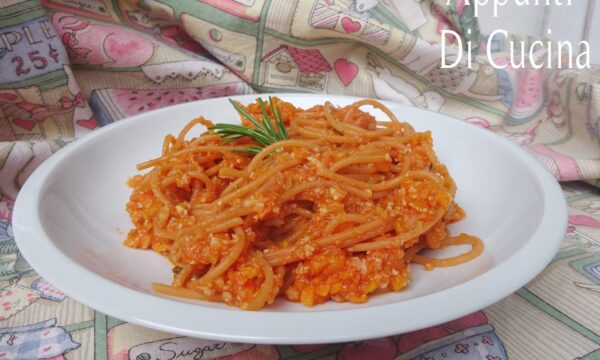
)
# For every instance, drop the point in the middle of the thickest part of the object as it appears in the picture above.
(70, 66)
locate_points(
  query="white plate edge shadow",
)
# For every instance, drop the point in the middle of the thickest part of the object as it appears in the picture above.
(26, 223)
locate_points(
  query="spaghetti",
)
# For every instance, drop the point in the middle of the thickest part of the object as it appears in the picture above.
(338, 210)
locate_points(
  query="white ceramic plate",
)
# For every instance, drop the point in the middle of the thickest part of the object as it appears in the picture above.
(70, 220)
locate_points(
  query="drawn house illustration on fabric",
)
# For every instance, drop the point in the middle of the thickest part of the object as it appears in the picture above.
(287, 66)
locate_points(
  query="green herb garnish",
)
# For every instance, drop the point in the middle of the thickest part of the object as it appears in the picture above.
(265, 132)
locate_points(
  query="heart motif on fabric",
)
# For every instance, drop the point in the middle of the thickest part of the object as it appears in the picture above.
(24, 123)
(350, 26)
(345, 70)
(89, 123)
(8, 96)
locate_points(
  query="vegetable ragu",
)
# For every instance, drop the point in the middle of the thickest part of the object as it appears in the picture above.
(313, 205)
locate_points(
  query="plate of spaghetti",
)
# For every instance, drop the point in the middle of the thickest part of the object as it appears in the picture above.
(289, 219)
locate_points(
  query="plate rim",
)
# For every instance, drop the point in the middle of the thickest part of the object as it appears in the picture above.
(29, 234)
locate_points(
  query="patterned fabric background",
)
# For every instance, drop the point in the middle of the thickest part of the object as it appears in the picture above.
(70, 66)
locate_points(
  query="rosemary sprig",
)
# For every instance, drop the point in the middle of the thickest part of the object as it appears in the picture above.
(264, 132)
